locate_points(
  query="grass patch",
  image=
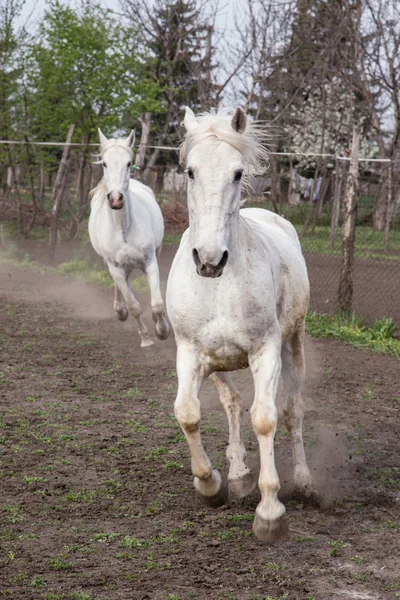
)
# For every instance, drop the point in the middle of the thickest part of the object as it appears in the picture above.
(348, 328)
(368, 244)
(84, 269)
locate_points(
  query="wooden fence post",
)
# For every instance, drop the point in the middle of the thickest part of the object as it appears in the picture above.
(345, 292)
(58, 192)
(141, 152)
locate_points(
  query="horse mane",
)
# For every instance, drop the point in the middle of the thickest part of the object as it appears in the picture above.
(100, 187)
(216, 125)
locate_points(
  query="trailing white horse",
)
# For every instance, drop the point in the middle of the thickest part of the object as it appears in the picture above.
(126, 228)
(237, 296)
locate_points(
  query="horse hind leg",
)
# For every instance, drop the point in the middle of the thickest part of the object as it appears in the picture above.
(121, 281)
(293, 375)
(119, 304)
(241, 480)
(157, 305)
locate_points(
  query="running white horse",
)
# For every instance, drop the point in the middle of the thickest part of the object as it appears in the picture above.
(126, 228)
(237, 296)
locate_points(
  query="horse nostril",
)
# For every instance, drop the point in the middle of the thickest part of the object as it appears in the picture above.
(109, 196)
(196, 257)
(224, 259)
(120, 197)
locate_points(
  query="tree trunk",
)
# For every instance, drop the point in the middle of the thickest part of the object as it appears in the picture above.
(389, 209)
(336, 204)
(32, 186)
(378, 218)
(58, 191)
(83, 185)
(274, 184)
(345, 292)
(42, 185)
(141, 152)
(13, 178)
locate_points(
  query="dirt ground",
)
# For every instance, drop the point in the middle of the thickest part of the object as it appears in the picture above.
(96, 496)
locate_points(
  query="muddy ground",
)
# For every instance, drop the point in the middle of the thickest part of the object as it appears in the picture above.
(96, 497)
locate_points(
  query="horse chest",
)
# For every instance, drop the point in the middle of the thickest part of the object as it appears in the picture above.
(222, 325)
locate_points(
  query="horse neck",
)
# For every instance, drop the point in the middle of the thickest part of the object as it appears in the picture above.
(238, 238)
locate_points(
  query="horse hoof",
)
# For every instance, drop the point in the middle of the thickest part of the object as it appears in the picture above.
(308, 496)
(270, 531)
(146, 343)
(122, 314)
(243, 486)
(218, 499)
(162, 332)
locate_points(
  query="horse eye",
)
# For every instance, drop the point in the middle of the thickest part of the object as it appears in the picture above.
(129, 164)
(104, 164)
(238, 175)
(190, 174)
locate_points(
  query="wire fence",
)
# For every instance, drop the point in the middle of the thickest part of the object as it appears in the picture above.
(306, 189)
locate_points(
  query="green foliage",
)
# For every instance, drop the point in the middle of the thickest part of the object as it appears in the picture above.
(84, 70)
(348, 328)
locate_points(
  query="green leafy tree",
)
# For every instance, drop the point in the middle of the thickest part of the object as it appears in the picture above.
(11, 40)
(83, 70)
(178, 35)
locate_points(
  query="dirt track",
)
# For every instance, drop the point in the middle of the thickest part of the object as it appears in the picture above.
(96, 490)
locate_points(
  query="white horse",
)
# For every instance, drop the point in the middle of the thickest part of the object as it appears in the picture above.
(237, 295)
(126, 228)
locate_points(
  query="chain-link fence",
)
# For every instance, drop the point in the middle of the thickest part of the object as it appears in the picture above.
(308, 190)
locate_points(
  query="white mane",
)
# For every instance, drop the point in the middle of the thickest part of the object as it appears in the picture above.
(217, 126)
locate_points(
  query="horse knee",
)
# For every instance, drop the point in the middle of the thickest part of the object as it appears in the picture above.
(188, 415)
(135, 309)
(264, 421)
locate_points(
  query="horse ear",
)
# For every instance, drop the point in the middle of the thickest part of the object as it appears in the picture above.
(190, 121)
(239, 120)
(130, 140)
(102, 137)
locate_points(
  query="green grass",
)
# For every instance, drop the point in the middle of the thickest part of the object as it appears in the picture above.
(84, 269)
(369, 243)
(348, 328)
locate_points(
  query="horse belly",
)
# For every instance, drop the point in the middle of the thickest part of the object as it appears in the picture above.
(225, 358)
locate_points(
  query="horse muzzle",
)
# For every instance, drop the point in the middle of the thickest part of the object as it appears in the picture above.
(209, 269)
(115, 200)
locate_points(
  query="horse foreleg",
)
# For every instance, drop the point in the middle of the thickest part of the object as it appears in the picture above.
(293, 374)
(157, 304)
(241, 480)
(269, 523)
(208, 482)
(119, 304)
(121, 281)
